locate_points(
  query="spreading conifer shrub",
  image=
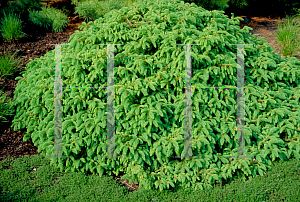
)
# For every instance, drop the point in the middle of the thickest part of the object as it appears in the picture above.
(149, 78)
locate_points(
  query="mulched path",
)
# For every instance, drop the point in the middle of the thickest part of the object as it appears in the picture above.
(11, 142)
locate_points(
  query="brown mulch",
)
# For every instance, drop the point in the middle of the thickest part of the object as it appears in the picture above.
(11, 142)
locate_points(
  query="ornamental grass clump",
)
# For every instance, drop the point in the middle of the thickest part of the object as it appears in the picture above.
(149, 79)
(11, 26)
(8, 64)
(288, 36)
(6, 110)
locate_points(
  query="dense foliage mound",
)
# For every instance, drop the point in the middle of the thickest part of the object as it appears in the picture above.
(149, 98)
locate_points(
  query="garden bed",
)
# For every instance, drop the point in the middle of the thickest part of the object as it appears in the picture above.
(11, 142)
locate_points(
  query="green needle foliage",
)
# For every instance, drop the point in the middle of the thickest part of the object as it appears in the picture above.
(211, 4)
(11, 26)
(89, 10)
(23, 7)
(94, 9)
(50, 17)
(76, 2)
(149, 78)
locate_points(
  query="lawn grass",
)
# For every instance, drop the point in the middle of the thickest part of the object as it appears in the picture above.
(32, 178)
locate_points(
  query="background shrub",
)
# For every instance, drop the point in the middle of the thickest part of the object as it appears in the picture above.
(250, 7)
(50, 17)
(269, 7)
(220, 4)
(115, 4)
(41, 18)
(11, 26)
(23, 7)
(210, 4)
(60, 22)
(76, 2)
(89, 10)
(94, 9)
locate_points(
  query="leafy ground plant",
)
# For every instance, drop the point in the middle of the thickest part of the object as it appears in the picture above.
(50, 17)
(8, 64)
(11, 26)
